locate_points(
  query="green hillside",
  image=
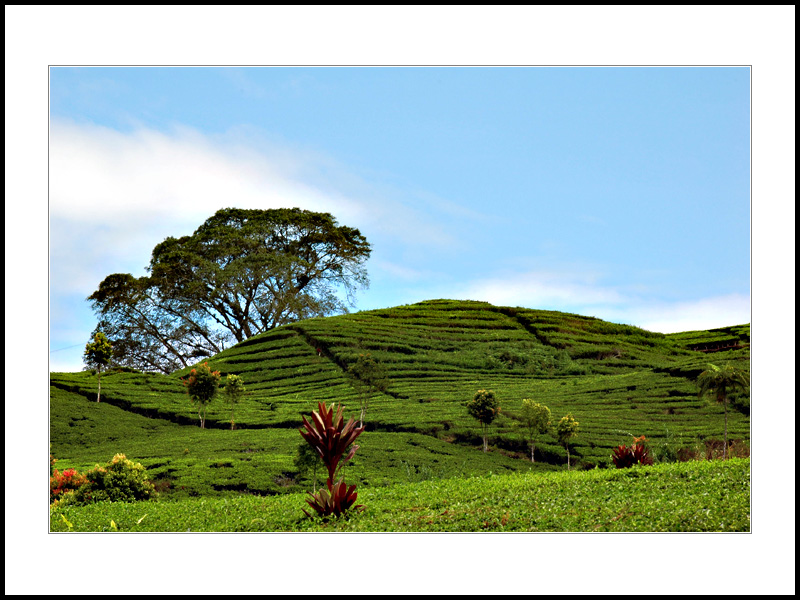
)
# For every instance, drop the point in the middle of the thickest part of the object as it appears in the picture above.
(616, 380)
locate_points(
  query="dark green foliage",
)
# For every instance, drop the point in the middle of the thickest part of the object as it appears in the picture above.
(202, 385)
(149, 331)
(120, 480)
(241, 273)
(720, 382)
(307, 459)
(484, 407)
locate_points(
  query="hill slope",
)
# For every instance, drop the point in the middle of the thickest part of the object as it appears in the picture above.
(616, 380)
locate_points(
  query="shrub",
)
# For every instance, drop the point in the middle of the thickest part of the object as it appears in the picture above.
(637, 453)
(120, 480)
(331, 438)
(64, 483)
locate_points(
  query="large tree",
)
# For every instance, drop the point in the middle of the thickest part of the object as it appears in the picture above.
(241, 273)
(151, 333)
(720, 382)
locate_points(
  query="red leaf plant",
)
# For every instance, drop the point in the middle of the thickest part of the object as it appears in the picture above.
(637, 453)
(330, 437)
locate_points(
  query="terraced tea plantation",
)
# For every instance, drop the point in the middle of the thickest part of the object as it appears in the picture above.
(617, 381)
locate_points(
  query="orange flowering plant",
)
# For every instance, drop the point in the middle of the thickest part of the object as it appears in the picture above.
(202, 385)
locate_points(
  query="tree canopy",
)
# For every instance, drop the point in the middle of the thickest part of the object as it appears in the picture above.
(535, 419)
(721, 382)
(484, 407)
(98, 354)
(242, 272)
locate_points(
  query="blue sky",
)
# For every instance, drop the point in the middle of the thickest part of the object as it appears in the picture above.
(621, 193)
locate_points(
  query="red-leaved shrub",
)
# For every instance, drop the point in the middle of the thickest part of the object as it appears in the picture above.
(636, 453)
(331, 437)
(65, 481)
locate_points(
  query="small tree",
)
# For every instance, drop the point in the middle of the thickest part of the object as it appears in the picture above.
(97, 355)
(484, 407)
(535, 419)
(567, 428)
(202, 385)
(233, 392)
(368, 377)
(720, 382)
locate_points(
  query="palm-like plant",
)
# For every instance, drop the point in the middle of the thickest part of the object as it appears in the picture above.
(720, 382)
(328, 434)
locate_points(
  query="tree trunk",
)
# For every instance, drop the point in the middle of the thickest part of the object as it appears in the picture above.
(485, 445)
(98, 385)
(567, 446)
(725, 440)
(533, 447)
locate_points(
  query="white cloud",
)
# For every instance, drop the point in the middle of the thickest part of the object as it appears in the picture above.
(705, 313)
(542, 289)
(149, 184)
(583, 293)
(98, 175)
(114, 195)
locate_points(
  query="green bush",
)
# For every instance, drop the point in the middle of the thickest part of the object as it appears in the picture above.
(120, 480)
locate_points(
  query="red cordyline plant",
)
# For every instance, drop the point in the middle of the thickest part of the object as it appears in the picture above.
(330, 437)
(637, 453)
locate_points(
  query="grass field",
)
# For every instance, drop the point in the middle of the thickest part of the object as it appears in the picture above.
(689, 496)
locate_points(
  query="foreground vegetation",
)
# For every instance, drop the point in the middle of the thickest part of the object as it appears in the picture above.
(618, 382)
(691, 496)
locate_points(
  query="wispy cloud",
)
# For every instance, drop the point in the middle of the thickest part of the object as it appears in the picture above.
(703, 313)
(542, 289)
(583, 293)
(115, 195)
